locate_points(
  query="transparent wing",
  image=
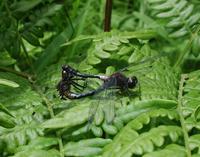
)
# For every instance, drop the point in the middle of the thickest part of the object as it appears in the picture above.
(152, 79)
(147, 60)
(102, 107)
(109, 106)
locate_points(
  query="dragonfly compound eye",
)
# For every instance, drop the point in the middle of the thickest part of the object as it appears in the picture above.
(64, 71)
(64, 67)
(132, 81)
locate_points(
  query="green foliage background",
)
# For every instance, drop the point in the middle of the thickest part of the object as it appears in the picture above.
(38, 37)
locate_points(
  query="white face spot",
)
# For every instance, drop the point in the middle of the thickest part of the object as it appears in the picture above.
(103, 77)
(130, 80)
(64, 72)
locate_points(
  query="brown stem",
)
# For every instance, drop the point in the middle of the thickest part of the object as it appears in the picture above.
(23, 74)
(107, 18)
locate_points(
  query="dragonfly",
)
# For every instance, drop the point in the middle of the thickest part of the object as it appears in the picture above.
(69, 77)
(116, 82)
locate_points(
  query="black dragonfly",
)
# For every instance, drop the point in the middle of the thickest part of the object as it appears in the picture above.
(117, 80)
(69, 77)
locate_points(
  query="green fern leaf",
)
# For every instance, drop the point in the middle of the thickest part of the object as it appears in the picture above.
(38, 143)
(129, 141)
(9, 83)
(194, 142)
(38, 153)
(169, 151)
(89, 147)
(68, 118)
(178, 15)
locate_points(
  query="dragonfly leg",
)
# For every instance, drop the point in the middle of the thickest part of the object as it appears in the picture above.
(85, 84)
(63, 98)
(128, 93)
(74, 83)
(77, 86)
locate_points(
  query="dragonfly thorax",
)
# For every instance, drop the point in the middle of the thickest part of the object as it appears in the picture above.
(121, 81)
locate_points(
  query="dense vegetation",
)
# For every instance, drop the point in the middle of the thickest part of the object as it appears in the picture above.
(160, 117)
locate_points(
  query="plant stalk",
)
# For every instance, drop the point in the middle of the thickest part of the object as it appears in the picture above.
(180, 112)
(23, 74)
(107, 18)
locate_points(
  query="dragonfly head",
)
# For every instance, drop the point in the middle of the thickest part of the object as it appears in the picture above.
(67, 72)
(132, 82)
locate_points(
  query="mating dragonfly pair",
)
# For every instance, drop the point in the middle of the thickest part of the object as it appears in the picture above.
(117, 80)
(73, 81)
(70, 77)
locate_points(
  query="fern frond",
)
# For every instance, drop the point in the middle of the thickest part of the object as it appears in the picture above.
(131, 111)
(191, 100)
(18, 97)
(188, 108)
(38, 153)
(194, 142)
(9, 83)
(68, 118)
(169, 151)
(156, 84)
(196, 45)
(38, 143)
(6, 120)
(179, 16)
(88, 147)
(25, 106)
(105, 45)
(26, 128)
(146, 142)
(20, 135)
(129, 141)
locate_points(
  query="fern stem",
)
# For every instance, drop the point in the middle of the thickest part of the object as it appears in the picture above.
(60, 144)
(180, 97)
(29, 77)
(47, 102)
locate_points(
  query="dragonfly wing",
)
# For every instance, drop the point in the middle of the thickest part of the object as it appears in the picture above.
(109, 106)
(99, 116)
(148, 60)
(96, 115)
(103, 106)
